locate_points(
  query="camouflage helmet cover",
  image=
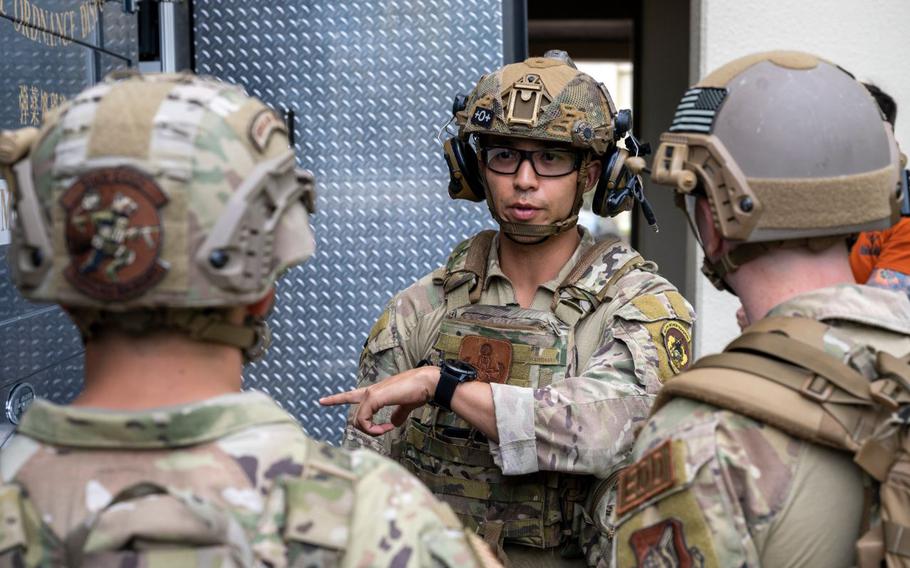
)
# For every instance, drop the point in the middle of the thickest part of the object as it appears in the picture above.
(786, 146)
(156, 191)
(542, 98)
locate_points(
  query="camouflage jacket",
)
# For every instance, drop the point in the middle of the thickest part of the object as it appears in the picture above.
(619, 360)
(232, 481)
(744, 493)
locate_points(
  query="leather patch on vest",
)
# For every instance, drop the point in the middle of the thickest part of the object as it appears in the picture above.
(646, 478)
(678, 344)
(664, 545)
(491, 357)
(114, 233)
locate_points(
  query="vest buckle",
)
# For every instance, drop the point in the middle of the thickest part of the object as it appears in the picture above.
(817, 388)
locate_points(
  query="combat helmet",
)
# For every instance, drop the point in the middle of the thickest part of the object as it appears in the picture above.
(154, 200)
(788, 148)
(548, 99)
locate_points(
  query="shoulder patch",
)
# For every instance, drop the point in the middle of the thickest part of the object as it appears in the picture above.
(659, 520)
(648, 477)
(664, 544)
(668, 322)
(379, 326)
(677, 342)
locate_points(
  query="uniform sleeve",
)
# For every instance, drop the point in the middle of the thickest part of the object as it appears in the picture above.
(706, 486)
(864, 255)
(382, 356)
(398, 522)
(587, 423)
(399, 339)
(888, 250)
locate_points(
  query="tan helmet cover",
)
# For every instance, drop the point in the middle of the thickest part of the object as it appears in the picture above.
(542, 98)
(786, 146)
(547, 99)
(156, 191)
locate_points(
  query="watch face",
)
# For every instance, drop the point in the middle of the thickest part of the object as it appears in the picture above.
(465, 371)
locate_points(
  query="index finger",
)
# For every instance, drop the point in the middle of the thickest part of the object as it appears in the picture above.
(350, 397)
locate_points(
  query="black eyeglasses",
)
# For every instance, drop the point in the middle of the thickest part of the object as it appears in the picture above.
(548, 162)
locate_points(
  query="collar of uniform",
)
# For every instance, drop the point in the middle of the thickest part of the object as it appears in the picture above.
(165, 427)
(495, 271)
(879, 307)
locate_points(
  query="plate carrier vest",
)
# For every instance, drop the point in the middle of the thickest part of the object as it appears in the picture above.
(777, 372)
(523, 347)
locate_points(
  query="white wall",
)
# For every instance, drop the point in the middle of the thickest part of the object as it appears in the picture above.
(869, 38)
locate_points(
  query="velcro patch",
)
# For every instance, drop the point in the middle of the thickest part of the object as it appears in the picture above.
(482, 117)
(113, 233)
(491, 357)
(678, 344)
(264, 124)
(664, 544)
(648, 477)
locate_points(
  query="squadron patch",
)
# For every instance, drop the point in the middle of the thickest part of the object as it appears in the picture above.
(264, 124)
(678, 343)
(663, 545)
(491, 357)
(113, 233)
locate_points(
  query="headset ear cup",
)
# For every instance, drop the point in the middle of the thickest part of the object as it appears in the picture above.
(464, 173)
(605, 184)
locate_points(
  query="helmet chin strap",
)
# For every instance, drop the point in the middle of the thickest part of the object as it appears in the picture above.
(541, 232)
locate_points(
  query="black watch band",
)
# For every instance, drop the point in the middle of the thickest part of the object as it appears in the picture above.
(451, 374)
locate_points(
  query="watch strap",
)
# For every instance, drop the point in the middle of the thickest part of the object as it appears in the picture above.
(445, 389)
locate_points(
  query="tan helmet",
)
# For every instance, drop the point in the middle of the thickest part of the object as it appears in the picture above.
(150, 199)
(544, 98)
(789, 149)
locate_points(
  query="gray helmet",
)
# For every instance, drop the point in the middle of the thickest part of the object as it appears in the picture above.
(788, 148)
(158, 195)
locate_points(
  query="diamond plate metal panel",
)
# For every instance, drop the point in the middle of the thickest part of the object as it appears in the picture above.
(38, 344)
(370, 82)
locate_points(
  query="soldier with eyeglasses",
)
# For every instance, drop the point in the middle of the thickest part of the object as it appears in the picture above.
(513, 376)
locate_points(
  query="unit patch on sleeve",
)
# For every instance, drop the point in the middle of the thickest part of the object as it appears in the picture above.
(663, 545)
(678, 343)
(491, 357)
(646, 478)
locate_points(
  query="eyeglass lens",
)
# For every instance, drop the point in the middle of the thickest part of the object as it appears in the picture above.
(547, 162)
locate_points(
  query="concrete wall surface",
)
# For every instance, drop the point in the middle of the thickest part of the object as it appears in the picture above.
(871, 39)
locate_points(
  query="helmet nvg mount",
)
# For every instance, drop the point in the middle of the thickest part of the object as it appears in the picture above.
(548, 99)
(147, 201)
(788, 149)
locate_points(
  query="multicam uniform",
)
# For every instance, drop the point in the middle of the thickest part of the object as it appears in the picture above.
(741, 492)
(571, 376)
(231, 481)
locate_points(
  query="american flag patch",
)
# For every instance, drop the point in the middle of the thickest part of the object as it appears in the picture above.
(696, 110)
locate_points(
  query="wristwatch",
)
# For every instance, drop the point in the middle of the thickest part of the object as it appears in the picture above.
(451, 374)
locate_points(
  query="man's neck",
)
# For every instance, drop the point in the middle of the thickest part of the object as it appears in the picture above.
(163, 369)
(529, 266)
(778, 276)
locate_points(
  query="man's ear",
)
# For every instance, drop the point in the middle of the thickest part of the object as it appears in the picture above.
(593, 173)
(263, 306)
(710, 236)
